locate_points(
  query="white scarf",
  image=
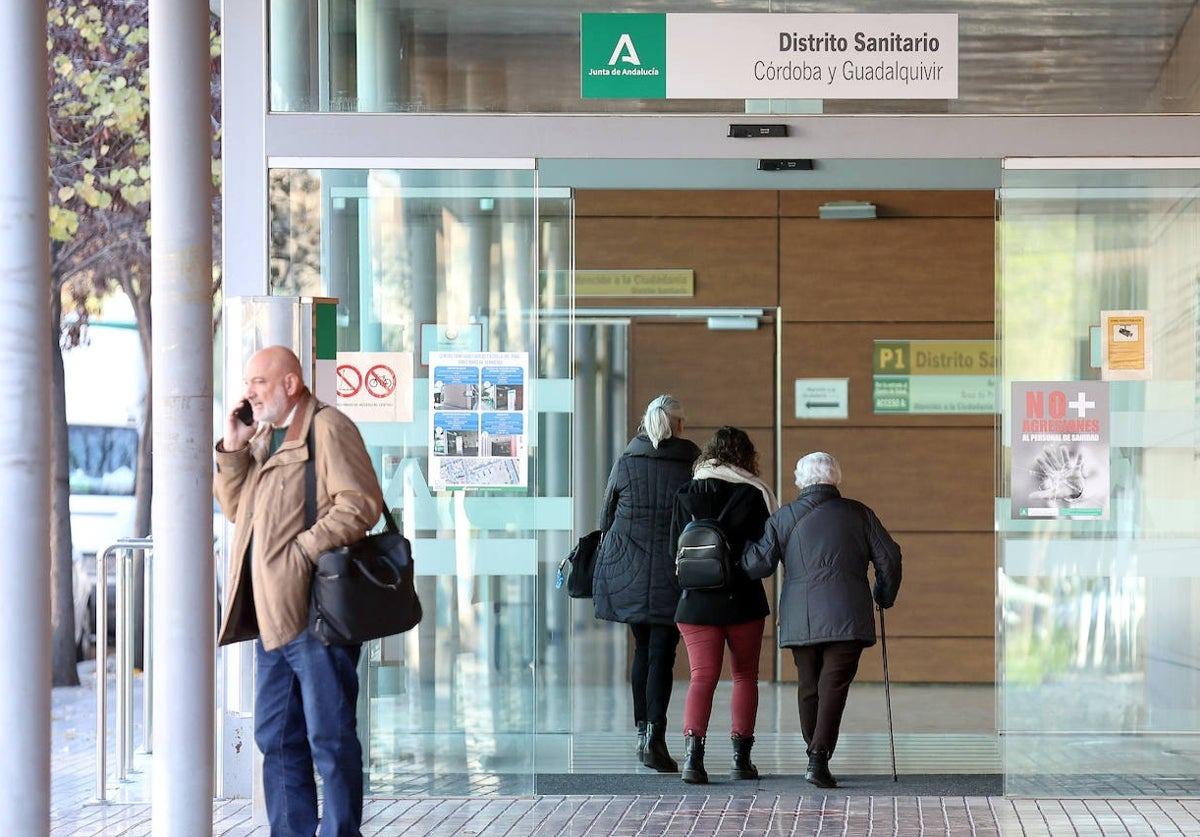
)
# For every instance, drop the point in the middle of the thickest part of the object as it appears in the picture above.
(713, 470)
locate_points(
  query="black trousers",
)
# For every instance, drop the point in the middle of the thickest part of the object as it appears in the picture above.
(651, 675)
(826, 671)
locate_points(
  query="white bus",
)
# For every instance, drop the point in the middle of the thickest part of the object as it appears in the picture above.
(105, 385)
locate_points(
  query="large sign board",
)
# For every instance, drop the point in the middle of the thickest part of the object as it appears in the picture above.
(935, 377)
(763, 56)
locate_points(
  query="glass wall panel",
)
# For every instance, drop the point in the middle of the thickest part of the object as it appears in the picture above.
(448, 261)
(522, 56)
(1099, 612)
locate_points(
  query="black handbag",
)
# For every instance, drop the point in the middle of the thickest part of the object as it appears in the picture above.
(583, 564)
(364, 590)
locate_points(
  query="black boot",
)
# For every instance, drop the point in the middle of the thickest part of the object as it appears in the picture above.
(641, 738)
(657, 757)
(818, 771)
(743, 768)
(693, 760)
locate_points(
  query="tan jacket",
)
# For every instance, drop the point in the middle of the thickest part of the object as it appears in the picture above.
(267, 590)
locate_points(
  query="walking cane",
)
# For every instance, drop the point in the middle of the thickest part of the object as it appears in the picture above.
(887, 693)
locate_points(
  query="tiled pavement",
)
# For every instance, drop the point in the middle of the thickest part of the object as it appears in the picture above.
(695, 815)
(691, 815)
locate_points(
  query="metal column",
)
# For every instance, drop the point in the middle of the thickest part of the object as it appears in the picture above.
(24, 448)
(182, 363)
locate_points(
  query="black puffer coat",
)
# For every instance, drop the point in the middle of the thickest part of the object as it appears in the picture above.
(634, 578)
(744, 600)
(826, 542)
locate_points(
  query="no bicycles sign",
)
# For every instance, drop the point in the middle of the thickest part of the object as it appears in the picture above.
(375, 386)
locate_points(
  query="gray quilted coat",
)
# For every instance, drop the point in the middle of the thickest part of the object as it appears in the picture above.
(634, 578)
(826, 542)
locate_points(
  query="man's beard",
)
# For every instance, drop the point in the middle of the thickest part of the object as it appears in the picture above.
(276, 409)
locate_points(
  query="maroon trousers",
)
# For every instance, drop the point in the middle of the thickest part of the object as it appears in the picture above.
(706, 650)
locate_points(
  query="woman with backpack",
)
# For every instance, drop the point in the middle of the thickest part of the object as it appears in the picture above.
(634, 577)
(725, 504)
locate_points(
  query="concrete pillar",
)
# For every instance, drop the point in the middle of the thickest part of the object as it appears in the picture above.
(383, 51)
(24, 447)
(290, 36)
(181, 195)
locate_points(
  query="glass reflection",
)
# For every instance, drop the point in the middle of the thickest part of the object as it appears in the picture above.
(1100, 630)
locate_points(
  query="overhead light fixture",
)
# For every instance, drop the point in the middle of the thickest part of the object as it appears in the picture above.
(847, 211)
(733, 323)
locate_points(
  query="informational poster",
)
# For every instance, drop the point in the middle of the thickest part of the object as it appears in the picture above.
(478, 419)
(1125, 342)
(1060, 453)
(935, 377)
(375, 386)
(822, 398)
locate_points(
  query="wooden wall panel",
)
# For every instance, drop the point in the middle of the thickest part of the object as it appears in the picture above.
(891, 270)
(923, 270)
(721, 377)
(736, 260)
(916, 479)
(844, 350)
(895, 203)
(919, 660)
(662, 203)
(949, 588)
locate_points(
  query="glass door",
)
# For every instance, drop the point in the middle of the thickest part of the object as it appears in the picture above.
(1098, 498)
(437, 275)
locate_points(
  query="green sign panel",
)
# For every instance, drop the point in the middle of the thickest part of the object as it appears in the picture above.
(935, 377)
(623, 56)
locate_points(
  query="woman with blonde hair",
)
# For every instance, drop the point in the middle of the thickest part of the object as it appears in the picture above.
(634, 578)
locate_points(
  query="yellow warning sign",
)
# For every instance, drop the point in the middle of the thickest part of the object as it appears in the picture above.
(1126, 344)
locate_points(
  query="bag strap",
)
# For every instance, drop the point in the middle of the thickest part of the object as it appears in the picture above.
(310, 481)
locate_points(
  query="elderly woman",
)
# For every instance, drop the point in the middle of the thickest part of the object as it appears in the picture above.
(825, 542)
(634, 578)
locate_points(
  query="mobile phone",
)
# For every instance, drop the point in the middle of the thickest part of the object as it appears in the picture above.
(245, 413)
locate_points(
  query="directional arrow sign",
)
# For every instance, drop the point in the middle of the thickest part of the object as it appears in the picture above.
(822, 398)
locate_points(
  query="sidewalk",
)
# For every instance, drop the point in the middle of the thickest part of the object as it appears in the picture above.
(695, 814)
(701, 816)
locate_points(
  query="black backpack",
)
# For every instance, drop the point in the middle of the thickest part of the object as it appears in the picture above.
(703, 559)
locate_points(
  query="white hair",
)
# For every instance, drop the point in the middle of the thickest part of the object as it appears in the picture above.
(816, 468)
(661, 416)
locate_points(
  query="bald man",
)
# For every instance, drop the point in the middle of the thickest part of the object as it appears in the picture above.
(305, 692)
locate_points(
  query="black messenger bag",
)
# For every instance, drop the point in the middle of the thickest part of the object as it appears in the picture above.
(362, 591)
(583, 566)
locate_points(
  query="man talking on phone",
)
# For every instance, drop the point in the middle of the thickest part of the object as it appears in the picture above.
(305, 692)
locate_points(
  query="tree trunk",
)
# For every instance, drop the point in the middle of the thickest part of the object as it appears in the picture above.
(62, 591)
(145, 479)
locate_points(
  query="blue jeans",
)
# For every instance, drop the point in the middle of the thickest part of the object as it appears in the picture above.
(304, 706)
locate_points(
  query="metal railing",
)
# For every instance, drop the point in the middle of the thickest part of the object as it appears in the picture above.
(123, 552)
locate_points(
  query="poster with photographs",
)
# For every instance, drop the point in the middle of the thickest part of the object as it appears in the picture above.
(1060, 453)
(478, 419)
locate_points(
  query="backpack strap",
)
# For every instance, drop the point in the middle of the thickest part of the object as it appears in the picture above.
(720, 518)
